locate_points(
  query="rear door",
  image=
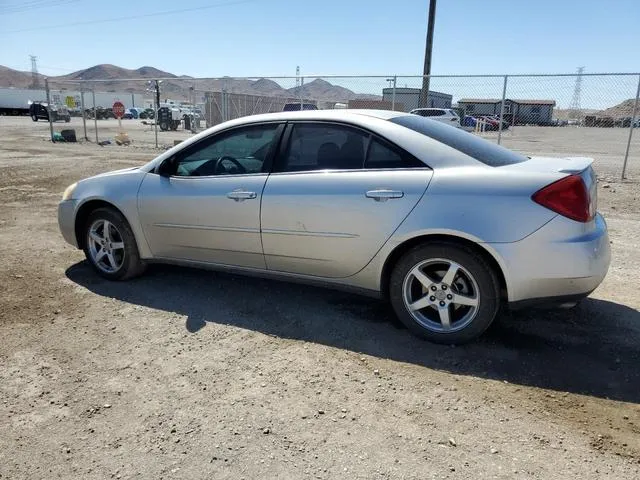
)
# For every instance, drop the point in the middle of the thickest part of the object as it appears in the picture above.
(335, 197)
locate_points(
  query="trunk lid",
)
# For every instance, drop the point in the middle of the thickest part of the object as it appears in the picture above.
(558, 168)
(569, 165)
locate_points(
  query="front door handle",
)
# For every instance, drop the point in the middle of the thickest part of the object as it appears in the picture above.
(383, 195)
(240, 195)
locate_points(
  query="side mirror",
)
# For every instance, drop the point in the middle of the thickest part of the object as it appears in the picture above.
(167, 167)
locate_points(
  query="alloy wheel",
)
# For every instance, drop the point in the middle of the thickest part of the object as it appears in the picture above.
(441, 295)
(106, 246)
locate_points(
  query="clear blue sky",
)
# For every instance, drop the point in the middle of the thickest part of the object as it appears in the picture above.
(351, 37)
(271, 37)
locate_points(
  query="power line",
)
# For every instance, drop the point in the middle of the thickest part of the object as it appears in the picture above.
(26, 6)
(131, 17)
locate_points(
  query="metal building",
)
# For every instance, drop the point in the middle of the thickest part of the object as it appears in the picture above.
(409, 97)
(517, 112)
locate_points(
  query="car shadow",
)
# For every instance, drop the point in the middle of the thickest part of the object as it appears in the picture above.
(591, 350)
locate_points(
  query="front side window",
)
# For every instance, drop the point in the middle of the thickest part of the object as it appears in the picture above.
(242, 151)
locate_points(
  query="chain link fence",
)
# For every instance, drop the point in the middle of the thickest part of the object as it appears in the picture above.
(556, 115)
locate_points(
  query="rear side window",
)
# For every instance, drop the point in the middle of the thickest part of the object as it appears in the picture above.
(325, 146)
(383, 156)
(476, 147)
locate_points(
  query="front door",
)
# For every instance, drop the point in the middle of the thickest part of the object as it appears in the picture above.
(208, 208)
(337, 195)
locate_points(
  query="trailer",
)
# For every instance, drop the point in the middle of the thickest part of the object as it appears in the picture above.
(16, 101)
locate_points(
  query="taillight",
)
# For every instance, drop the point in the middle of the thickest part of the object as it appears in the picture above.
(568, 197)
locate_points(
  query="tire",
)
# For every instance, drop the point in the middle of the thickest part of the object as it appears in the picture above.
(34, 117)
(164, 126)
(67, 119)
(453, 312)
(121, 263)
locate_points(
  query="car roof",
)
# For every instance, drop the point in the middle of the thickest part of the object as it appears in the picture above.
(339, 114)
(382, 122)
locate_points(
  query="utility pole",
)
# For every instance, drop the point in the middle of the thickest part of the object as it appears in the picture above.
(426, 71)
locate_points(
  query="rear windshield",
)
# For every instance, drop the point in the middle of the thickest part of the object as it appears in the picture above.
(476, 147)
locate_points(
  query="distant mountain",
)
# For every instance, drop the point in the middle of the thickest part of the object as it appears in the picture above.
(181, 87)
(623, 109)
(113, 72)
(16, 78)
(319, 88)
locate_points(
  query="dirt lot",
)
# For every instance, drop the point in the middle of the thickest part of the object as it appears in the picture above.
(191, 374)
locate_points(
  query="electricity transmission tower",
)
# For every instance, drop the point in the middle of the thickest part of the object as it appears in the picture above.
(574, 108)
(35, 82)
(298, 76)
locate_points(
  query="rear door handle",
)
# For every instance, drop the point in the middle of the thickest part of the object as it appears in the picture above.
(240, 195)
(383, 195)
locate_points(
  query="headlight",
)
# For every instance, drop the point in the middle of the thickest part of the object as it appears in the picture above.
(68, 193)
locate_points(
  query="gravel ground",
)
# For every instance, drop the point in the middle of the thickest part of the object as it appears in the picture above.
(191, 374)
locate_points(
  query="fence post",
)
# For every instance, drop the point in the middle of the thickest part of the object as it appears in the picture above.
(393, 94)
(46, 87)
(95, 112)
(301, 101)
(84, 116)
(156, 102)
(504, 94)
(633, 117)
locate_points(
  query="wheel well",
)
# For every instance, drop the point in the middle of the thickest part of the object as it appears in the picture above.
(83, 214)
(409, 244)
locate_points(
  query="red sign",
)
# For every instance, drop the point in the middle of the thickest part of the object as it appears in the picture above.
(118, 109)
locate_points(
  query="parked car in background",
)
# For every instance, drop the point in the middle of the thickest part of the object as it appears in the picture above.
(42, 110)
(135, 111)
(444, 115)
(295, 107)
(128, 114)
(101, 113)
(488, 123)
(391, 204)
(496, 118)
(147, 113)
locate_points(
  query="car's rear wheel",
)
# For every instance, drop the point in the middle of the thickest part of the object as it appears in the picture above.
(34, 117)
(444, 292)
(110, 246)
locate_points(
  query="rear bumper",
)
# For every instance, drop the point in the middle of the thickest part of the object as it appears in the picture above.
(549, 302)
(562, 259)
(66, 221)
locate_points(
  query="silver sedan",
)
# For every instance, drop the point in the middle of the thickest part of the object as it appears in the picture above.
(447, 226)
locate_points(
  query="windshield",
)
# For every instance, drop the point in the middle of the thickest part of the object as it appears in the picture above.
(465, 142)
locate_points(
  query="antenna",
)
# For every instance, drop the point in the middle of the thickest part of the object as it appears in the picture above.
(575, 112)
(35, 81)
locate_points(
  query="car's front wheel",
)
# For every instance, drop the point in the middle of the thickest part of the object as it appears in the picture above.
(444, 292)
(110, 246)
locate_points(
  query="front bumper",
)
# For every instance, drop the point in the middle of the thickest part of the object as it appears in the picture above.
(562, 259)
(66, 221)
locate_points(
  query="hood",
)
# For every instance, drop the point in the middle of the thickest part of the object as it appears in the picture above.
(122, 171)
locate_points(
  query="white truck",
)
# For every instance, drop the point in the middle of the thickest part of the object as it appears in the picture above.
(16, 101)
